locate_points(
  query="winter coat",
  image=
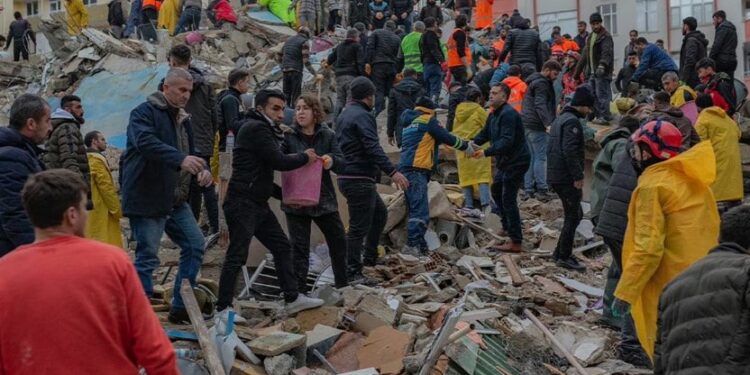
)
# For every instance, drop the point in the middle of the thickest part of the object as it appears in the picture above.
(482, 81)
(228, 110)
(672, 222)
(613, 146)
(336, 4)
(523, 45)
(324, 143)
(703, 317)
(291, 52)
(682, 95)
(723, 51)
(19, 159)
(715, 125)
(348, 59)
(654, 58)
(225, 13)
(19, 33)
(675, 116)
(433, 11)
(103, 223)
(538, 103)
(603, 55)
(359, 11)
(115, 13)
(169, 14)
(65, 148)
(421, 138)
(721, 88)
(357, 135)
(581, 40)
(518, 90)
(78, 16)
(613, 217)
(470, 120)
(504, 131)
(566, 148)
(624, 77)
(403, 96)
(150, 178)
(430, 46)
(280, 8)
(382, 47)
(694, 47)
(401, 6)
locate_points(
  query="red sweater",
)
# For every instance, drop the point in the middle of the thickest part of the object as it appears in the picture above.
(75, 306)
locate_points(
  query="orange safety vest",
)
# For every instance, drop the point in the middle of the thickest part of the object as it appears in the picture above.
(517, 91)
(570, 45)
(483, 14)
(453, 59)
(156, 4)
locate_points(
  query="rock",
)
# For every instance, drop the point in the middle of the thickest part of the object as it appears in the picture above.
(276, 343)
(384, 350)
(330, 295)
(279, 365)
(450, 253)
(469, 262)
(396, 206)
(581, 287)
(493, 222)
(745, 153)
(326, 315)
(586, 345)
(586, 229)
(445, 295)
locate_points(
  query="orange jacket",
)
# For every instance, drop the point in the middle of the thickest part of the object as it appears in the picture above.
(517, 92)
(483, 14)
(156, 4)
(453, 59)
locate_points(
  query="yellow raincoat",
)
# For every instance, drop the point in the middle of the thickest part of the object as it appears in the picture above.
(78, 16)
(715, 125)
(470, 119)
(104, 220)
(678, 98)
(672, 222)
(169, 14)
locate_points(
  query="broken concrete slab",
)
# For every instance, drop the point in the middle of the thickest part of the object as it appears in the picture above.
(325, 315)
(384, 350)
(281, 364)
(366, 371)
(89, 53)
(322, 338)
(276, 343)
(244, 368)
(469, 262)
(587, 346)
(343, 354)
(379, 308)
(581, 287)
(551, 286)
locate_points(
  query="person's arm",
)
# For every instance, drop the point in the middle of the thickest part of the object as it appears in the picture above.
(360, 58)
(102, 179)
(142, 134)
(439, 18)
(508, 46)
(369, 137)
(444, 136)
(504, 141)
(460, 38)
(230, 109)
(691, 54)
(68, 140)
(484, 135)
(10, 37)
(541, 101)
(433, 46)
(607, 57)
(572, 147)
(618, 80)
(268, 150)
(400, 59)
(642, 66)
(719, 41)
(333, 56)
(15, 223)
(372, 46)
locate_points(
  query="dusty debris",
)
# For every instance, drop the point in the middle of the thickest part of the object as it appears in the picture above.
(276, 343)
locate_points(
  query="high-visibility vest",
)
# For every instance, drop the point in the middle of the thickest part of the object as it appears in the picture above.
(411, 51)
(453, 59)
(517, 91)
(156, 4)
(483, 14)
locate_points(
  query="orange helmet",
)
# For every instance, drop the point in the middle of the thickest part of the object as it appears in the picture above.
(663, 139)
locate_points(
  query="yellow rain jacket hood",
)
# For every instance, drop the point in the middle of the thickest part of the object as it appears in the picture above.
(469, 121)
(678, 98)
(672, 222)
(715, 125)
(104, 220)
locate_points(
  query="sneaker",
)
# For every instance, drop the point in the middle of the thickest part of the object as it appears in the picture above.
(571, 263)
(211, 239)
(303, 302)
(178, 316)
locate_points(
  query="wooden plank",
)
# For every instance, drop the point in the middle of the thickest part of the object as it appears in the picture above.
(483, 229)
(515, 274)
(210, 353)
(571, 359)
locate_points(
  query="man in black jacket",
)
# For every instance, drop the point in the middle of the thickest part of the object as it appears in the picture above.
(357, 135)
(403, 96)
(116, 18)
(523, 44)
(382, 55)
(256, 156)
(348, 61)
(703, 324)
(359, 12)
(433, 59)
(724, 49)
(401, 13)
(20, 33)
(623, 76)
(229, 104)
(597, 64)
(292, 61)
(565, 171)
(431, 9)
(694, 46)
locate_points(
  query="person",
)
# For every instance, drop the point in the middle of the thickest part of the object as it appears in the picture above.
(459, 52)
(229, 104)
(724, 49)
(29, 126)
(190, 17)
(359, 12)
(404, 96)
(20, 33)
(200, 107)
(379, 10)
(561, 45)
(517, 87)
(419, 157)
(654, 62)
(362, 34)
(672, 222)
(309, 132)
(483, 18)
(104, 220)
(149, 16)
(694, 47)
(714, 125)
(155, 180)
(431, 9)
(456, 96)
(134, 18)
(401, 13)
(537, 114)
(523, 44)
(465, 8)
(432, 58)
(551, 40)
(626, 73)
(719, 85)
(78, 16)
(335, 14)
(680, 93)
(292, 61)
(409, 52)
(565, 158)
(664, 111)
(516, 19)
(660, 43)
(116, 18)
(689, 305)
(256, 155)
(220, 12)
(306, 11)
(504, 131)
(65, 148)
(473, 174)
(91, 286)
(364, 159)
(582, 35)
(631, 46)
(570, 82)
(169, 15)
(348, 61)
(382, 51)
(597, 63)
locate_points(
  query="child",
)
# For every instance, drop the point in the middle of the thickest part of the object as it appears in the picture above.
(470, 119)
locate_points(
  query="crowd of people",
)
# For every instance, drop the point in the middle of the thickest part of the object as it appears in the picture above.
(662, 180)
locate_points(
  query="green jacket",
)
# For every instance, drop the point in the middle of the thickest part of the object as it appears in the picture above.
(613, 145)
(410, 53)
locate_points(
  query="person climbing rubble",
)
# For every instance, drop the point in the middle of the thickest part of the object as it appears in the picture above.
(473, 174)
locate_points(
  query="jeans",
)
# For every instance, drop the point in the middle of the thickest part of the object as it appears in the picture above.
(382, 77)
(536, 176)
(134, 18)
(245, 219)
(367, 217)
(199, 194)
(484, 196)
(505, 191)
(573, 213)
(433, 79)
(343, 93)
(406, 22)
(603, 94)
(613, 276)
(190, 20)
(308, 19)
(182, 229)
(459, 74)
(299, 236)
(419, 207)
(292, 85)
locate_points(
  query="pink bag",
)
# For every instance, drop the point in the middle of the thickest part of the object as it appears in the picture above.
(301, 187)
(690, 110)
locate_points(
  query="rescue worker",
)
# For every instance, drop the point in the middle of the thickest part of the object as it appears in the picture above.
(409, 53)
(483, 16)
(473, 174)
(459, 52)
(104, 220)
(169, 14)
(78, 16)
(517, 87)
(20, 33)
(680, 93)
(149, 15)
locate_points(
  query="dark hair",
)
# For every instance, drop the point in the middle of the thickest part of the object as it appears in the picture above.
(25, 107)
(89, 138)
(582, 23)
(473, 94)
(704, 100)
(735, 226)
(359, 26)
(429, 22)
(67, 100)
(504, 88)
(461, 21)
(720, 14)
(641, 40)
(180, 54)
(47, 195)
(552, 65)
(555, 33)
(705, 62)
(237, 75)
(319, 114)
(556, 28)
(632, 53)
(691, 22)
(633, 31)
(660, 41)
(262, 96)
(409, 72)
(352, 33)
(504, 15)
(390, 25)
(661, 97)
(629, 122)
(17, 15)
(514, 70)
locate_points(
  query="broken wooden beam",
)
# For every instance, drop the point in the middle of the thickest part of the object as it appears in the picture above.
(210, 353)
(571, 359)
(516, 277)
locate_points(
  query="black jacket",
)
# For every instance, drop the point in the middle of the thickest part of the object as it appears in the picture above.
(399, 7)
(703, 324)
(623, 78)
(604, 55)
(19, 32)
(694, 47)
(482, 81)
(359, 11)
(523, 44)
(539, 103)
(228, 109)
(403, 96)
(432, 53)
(725, 44)
(324, 143)
(291, 59)
(348, 59)
(257, 153)
(19, 158)
(613, 218)
(357, 135)
(433, 11)
(382, 47)
(115, 15)
(504, 131)
(566, 148)
(675, 116)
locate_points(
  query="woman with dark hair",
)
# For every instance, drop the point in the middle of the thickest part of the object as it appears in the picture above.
(308, 132)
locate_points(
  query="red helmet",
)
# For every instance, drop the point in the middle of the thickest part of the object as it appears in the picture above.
(663, 138)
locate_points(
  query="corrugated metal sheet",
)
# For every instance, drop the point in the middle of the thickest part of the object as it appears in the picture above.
(488, 362)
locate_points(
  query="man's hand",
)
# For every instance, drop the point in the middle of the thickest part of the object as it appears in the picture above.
(578, 184)
(600, 71)
(193, 164)
(400, 181)
(368, 69)
(478, 154)
(620, 308)
(470, 148)
(204, 178)
(392, 141)
(327, 161)
(311, 156)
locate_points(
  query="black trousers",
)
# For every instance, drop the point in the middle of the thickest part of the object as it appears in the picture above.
(20, 49)
(505, 193)
(199, 194)
(245, 219)
(382, 77)
(334, 19)
(367, 217)
(727, 67)
(460, 75)
(299, 236)
(292, 87)
(571, 202)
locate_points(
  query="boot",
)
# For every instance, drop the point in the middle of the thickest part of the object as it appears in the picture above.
(511, 247)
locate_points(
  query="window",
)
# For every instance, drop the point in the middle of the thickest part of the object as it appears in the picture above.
(702, 10)
(566, 20)
(32, 8)
(55, 6)
(646, 15)
(89, 2)
(609, 15)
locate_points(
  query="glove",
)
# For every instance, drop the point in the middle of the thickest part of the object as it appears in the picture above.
(327, 161)
(600, 72)
(444, 66)
(470, 148)
(620, 308)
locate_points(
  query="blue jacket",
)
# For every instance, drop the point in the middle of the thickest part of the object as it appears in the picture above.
(357, 135)
(504, 130)
(500, 74)
(420, 139)
(19, 158)
(654, 57)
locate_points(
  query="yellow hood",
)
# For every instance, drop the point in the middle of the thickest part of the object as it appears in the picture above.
(697, 163)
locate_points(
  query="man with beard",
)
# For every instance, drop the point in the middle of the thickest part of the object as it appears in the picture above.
(597, 63)
(723, 51)
(693, 49)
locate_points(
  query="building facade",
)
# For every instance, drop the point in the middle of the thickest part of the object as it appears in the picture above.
(34, 10)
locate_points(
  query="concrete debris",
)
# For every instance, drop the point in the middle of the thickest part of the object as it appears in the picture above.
(281, 365)
(276, 343)
(586, 345)
(384, 350)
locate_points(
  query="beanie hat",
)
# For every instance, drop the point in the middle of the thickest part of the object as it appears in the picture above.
(595, 17)
(704, 101)
(583, 97)
(426, 102)
(361, 88)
